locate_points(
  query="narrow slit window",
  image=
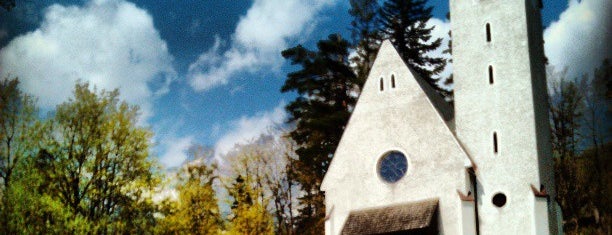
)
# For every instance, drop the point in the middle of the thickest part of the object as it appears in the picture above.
(382, 86)
(488, 32)
(495, 142)
(392, 81)
(491, 74)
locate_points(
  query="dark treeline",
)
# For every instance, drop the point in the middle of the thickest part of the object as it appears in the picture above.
(581, 122)
(7, 4)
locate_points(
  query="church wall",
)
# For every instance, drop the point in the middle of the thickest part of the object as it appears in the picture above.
(506, 111)
(541, 108)
(501, 120)
(401, 119)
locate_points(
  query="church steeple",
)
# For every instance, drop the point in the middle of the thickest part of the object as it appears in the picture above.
(501, 111)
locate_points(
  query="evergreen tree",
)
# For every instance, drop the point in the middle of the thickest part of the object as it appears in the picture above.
(366, 35)
(7, 4)
(449, 81)
(325, 84)
(404, 23)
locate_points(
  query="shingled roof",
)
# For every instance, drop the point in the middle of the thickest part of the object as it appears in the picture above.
(396, 218)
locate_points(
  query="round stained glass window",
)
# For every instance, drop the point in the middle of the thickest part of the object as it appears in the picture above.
(393, 166)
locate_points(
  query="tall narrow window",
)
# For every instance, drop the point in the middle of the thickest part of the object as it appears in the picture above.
(495, 142)
(490, 74)
(382, 86)
(488, 32)
(392, 81)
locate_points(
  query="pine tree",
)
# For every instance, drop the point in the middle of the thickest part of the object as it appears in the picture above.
(325, 84)
(366, 35)
(7, 4)
(404, 22)
(449, 81)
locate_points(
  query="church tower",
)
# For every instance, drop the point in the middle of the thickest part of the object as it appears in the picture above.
(501, 113)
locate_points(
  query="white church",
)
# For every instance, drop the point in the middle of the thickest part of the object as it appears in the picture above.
(408, 163)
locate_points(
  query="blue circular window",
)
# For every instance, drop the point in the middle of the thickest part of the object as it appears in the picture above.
(393, 166)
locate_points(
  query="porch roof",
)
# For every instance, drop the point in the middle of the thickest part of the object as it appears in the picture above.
(395, 218)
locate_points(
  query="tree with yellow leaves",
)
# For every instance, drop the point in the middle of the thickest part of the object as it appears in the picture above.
(249, 215)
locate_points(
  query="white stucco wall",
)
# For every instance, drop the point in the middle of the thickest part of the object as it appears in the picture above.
(514, 107)
(404, 119)
(401, 119)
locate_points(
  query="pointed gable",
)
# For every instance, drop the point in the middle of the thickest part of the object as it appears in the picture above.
(396, 110)
(445, 110)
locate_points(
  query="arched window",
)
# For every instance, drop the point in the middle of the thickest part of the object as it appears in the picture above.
(491, 74)
(382, 86)
(488, 32)
(392, 81)
(495, 142)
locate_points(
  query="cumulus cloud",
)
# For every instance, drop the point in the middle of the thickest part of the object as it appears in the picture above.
(257, 41)
(177, 150)
(581, 38)
(108, 43)
(248, 129)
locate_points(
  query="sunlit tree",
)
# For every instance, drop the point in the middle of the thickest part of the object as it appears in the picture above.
(95, 161)
(196, 211)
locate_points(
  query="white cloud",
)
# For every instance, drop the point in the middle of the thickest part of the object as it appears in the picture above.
(108, 43)
(176, 151)
(257, 41)
(581, 38)
(269, 23)
(248, 129)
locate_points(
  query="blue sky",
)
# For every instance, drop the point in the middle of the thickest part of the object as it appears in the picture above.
(210, 72)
